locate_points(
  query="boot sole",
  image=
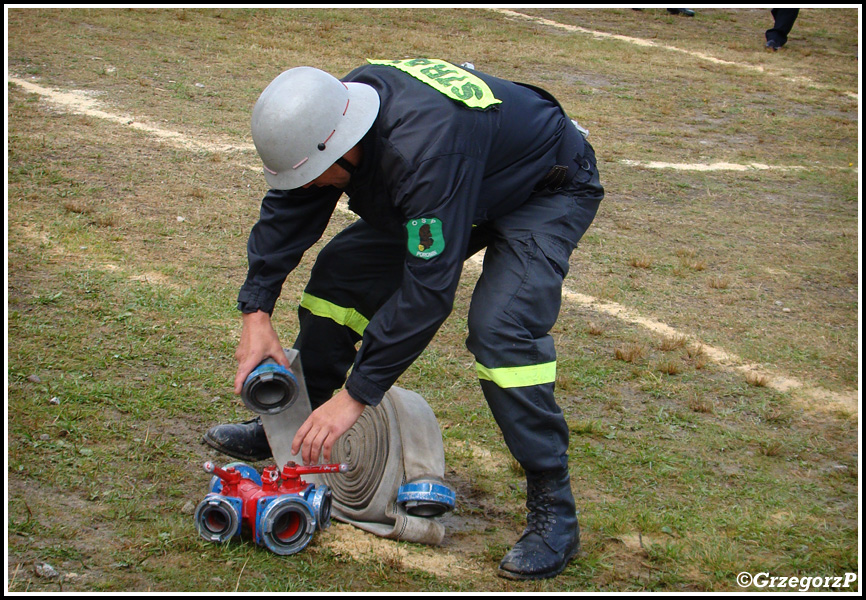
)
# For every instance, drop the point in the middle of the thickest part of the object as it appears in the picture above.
(513, 575)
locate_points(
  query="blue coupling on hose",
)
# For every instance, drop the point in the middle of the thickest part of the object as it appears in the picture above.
(270, 388)
(265, 368)
(426, 498)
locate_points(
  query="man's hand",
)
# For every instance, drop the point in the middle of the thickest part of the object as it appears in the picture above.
(258, 342)
(327, 423)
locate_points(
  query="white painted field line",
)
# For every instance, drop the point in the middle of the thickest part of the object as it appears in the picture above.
(723, 358)
(649, 43)
(719, 166)
(723, 166)
(80, 103)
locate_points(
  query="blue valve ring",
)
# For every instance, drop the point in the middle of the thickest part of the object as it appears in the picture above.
(246, 471)
(218, 518)
(426, 498)
(285, 524)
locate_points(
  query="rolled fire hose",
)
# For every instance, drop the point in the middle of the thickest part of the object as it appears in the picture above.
(396, 459)
(396, 465)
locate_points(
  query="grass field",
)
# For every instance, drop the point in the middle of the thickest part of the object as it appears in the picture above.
(709, 338)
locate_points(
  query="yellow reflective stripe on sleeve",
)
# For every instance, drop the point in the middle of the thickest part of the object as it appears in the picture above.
(349, 317)
(509, 377)
(456, 83)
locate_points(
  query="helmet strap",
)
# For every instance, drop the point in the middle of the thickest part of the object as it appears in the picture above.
(345, 164)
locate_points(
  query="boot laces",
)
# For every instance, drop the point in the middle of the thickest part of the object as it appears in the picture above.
(541, 517)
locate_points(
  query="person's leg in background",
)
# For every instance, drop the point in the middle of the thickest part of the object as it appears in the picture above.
(783, 22)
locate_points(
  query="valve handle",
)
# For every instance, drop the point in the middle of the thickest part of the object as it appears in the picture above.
(292, 469)
(209, 467)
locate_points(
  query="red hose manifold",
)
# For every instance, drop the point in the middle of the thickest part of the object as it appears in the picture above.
(281, 510)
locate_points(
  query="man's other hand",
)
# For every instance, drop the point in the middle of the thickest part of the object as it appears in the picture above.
(322, 428)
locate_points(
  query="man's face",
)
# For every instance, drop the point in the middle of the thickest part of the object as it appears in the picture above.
(335, 176)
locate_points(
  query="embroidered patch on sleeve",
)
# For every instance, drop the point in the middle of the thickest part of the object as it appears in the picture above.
(425, 237)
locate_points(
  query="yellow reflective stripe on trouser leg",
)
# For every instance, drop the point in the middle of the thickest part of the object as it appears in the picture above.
(349, 317)
(509, 377)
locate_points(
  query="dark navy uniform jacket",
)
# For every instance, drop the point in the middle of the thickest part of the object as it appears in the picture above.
(427, 156)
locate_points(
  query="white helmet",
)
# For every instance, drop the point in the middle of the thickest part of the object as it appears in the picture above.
(305, 120)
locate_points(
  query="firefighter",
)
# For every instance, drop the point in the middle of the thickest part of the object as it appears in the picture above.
(439, 161)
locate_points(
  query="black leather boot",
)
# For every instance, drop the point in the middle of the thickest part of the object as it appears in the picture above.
(552, 536)
(246, 441)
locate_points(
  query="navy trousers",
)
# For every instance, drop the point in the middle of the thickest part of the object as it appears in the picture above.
(515, 304)
(783, 22)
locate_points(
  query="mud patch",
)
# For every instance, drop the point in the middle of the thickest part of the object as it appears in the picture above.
(38, 510)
